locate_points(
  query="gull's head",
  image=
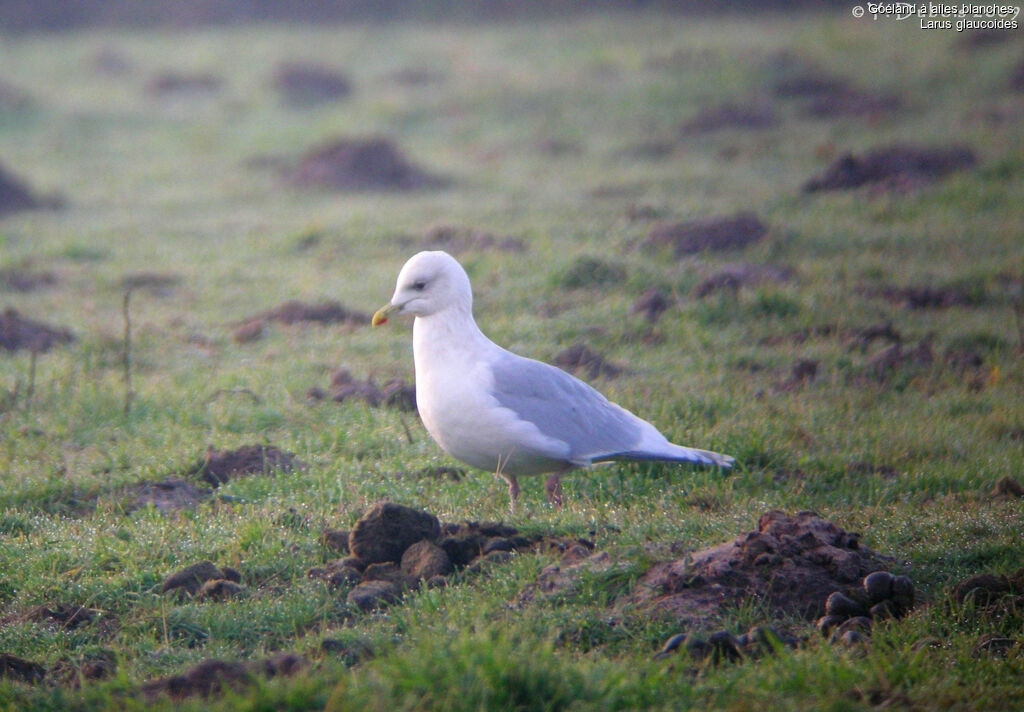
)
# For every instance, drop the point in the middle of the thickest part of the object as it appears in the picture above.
(429, 282)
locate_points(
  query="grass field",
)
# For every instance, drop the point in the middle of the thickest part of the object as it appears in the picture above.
(565, 136)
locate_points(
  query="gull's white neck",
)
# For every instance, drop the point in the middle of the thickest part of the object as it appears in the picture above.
(446, 339)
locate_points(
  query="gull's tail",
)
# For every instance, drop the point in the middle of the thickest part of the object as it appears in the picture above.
(673, 453)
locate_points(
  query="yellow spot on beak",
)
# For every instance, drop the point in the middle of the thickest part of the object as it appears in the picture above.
(382, 314)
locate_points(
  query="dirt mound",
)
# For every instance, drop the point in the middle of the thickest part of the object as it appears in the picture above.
(986, 589)
(730, 232)
(791, 564)
(61, 615)
(827, 96)
(397, 548)
(14, 668)
(732, 277)
(302, 84)
(212, 677)
(899, 166)
(18, 332)
(296, 312)
(731, 115)
(458, 238)
(579, 357)
(652, 304)
(218, 466)
(158, 283)
(15, 196)
(924, 296)
(359, 164)
(395, 393)
(194, 578)
(23, 279)
(166, 495)
(587, 271)
(170, 84)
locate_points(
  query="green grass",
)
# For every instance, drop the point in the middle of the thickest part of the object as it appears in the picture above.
(172, 186)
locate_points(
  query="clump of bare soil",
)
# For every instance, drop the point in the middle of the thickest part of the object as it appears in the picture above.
(15, 668)
(895, 167)
(925, 296)
(212, 677)
(373, 163)
(652, 304)
(395, 548)
(458, 238)
(1017, 77)
(166, 495)
(296, 312)
(303, 84)
(218, 466)
(157, 283)
(24, 279)
(850, 613)
(170, 83)
(731, 115)
(15, 196)
(18, 332)
(395, 393)
(988, 589)
(730, 232)
(581, 358)
(195, 578)
(587, 271)
(790, 565)
(61, 615)
(731, 277)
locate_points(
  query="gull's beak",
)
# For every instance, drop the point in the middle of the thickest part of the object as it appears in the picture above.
(382, 314)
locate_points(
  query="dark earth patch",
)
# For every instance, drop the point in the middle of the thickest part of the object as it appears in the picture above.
(296, 312)
(18, 332)
(395, 393)
(304, 84)
(24, 279)
(728, 232)
(166, 495)
(61, 615)
(790, 565)
(373, 163)
(15, 195)
(218, 466)
(587, 271)
(579, 357)
(651, 304)
(458, 238)
(732, 277)
(1017, 77)
(169, 83)
(212, 677)
(925, 296)
(731, 115)
(397, 548)
(899, 166)
(15, 668)
(158, 283)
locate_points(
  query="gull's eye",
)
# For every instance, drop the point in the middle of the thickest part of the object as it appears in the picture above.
(419, 286)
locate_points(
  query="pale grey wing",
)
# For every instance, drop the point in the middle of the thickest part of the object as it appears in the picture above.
(564, 408)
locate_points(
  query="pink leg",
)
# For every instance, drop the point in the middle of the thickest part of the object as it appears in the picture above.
(553, 488)
(513, 492)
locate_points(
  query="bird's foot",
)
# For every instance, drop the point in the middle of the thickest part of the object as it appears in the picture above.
(553, 488)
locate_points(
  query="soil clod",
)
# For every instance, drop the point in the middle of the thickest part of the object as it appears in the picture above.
(898, 166)
(459, 238)
(731, 115)
(728, 232)
(580, 358)
(303, 84)
(218, 466)
(359, 164)
(18, 332)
